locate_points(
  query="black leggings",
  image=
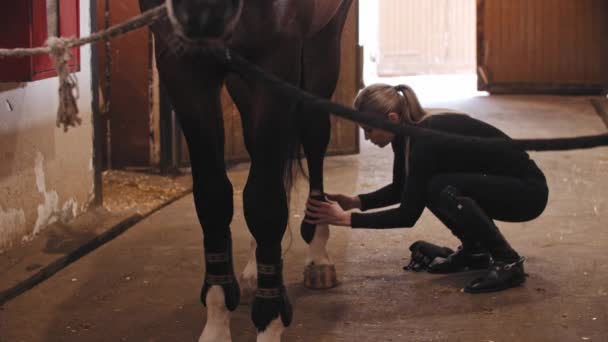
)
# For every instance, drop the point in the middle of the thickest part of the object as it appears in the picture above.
(467, 203)
(502, 198)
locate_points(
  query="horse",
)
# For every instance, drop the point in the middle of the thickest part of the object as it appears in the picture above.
(297, 41)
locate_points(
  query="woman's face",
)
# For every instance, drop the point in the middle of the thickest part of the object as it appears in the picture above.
(380, 137)
(377, 136)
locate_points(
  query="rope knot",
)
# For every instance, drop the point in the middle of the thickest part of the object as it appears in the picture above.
(67, 113)
(59, 45)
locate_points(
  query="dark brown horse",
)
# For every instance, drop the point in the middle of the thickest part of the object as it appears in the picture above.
(296, 40)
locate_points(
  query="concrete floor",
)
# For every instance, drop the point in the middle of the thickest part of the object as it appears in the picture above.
(144, 285)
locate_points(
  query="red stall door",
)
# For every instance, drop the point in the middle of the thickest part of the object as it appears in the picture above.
(23, 23)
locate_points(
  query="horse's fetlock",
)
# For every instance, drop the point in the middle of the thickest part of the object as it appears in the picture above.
(270, 304)
(232, 291)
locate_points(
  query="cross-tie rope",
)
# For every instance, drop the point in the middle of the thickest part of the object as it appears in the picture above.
(59, 49)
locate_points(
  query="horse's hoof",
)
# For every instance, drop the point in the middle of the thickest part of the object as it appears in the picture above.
(320, 276)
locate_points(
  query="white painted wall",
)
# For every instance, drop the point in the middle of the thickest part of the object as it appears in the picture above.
(46, 175)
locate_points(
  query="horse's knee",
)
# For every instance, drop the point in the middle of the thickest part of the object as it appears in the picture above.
(214, 202)
(216, 188)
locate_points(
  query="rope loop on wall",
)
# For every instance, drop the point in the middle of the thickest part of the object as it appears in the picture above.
(59, 50)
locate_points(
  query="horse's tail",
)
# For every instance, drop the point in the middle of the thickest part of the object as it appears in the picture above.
(293, 151)
(292, 160)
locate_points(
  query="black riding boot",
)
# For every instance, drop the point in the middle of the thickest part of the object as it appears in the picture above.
(471, 255)
(501, 276)
(508, 265)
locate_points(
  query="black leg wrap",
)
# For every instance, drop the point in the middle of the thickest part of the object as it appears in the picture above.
(271, 300)
(219, 271)
(307, 230)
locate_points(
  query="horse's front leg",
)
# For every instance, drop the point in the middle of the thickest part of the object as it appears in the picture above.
(214, 205)
(320, 272)
(320, 71)
(198, 108)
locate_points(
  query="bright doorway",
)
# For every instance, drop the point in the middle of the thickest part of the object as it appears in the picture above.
(429, 45)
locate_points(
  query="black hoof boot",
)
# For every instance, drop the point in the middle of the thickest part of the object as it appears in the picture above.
(501, 276)
(268, 305)
(232, 291)
(271, 300)
(460, 261)
(220, 272)
(423, 254)
(307, 230)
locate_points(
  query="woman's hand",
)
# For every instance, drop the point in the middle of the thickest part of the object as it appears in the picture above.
(346, 202)
(329, 212)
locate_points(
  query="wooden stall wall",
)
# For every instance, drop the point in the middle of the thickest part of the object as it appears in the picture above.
(542, 46)
(426, 37)
(344, 133)
(128, 122)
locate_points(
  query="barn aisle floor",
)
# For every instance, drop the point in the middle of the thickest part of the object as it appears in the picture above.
(144, 285)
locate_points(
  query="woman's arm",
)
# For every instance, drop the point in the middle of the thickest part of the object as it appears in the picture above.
(330, 212)
(382, 197)
(413, 197)
(413, 200)
(390, 194)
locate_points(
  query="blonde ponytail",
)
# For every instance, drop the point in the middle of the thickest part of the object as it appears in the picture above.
(383, 99)
(412, 111)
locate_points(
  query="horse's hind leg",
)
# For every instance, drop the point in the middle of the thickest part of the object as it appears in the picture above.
(241, 95)
(198, 108)
(320, 71)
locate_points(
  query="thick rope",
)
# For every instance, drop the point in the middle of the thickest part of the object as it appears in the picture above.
(59, 49)
(252, 72)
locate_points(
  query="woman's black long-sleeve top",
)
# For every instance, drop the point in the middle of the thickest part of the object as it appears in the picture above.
(431, 157)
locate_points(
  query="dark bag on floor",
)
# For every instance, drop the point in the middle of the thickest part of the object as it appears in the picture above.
(423, 254)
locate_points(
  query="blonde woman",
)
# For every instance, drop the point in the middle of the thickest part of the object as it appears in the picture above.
(465, 185)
